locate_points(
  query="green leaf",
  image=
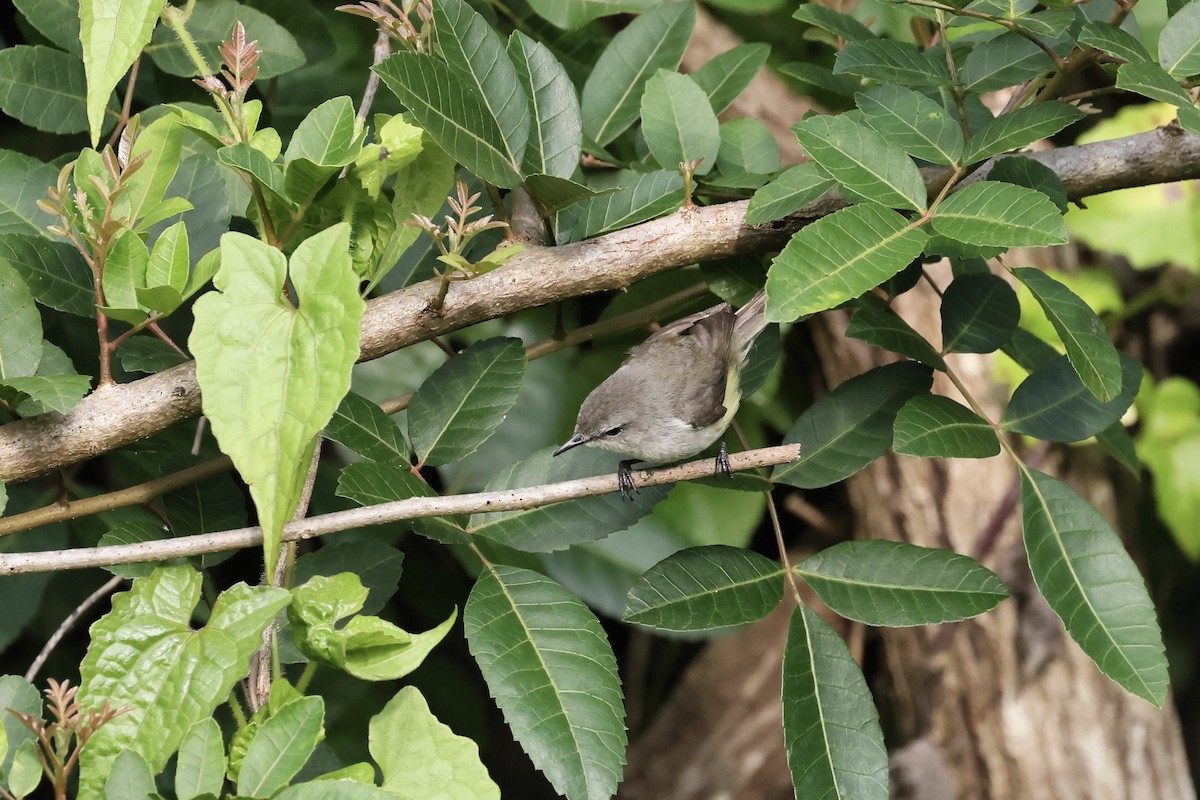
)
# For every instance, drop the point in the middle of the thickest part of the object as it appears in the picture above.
(273, 373)
(979, 314)
(1053, 404)
(703, 588)
(113, 33)
(147, 354)
(461, 404)
(1179, 42)
(324, 142)
(26, 772)
(791, 191)
(453, 113)
(19, 695)
(476, 54)
(557, 124)
(550, 668)
(57, 20)
(890, 61)
(839, 257)
(830, 725)
(876, 323)
(1020, 128)
(894, 584)
(23, 181)
(44, 88)
(200, 767)
(210, 24)
(54, 272)
(554, 194)
(1004, 61)
(1113, 41)
(170, 259)
(556, 527)
(20, 326)
(678, 123)
(161, 142)
(280, 747)
(376, 564)
(145, 655)
(1150, 80)
(129, 779)
(847, 429)
(125, 271)
(1089, 349)
(862, 161)
(367, 647)
(362, 426)
(421, 757)
(913, 122)
(613, 91)
(1000, 214)
(577, 13)
(255, 164)
(747, 147)
(937, 427)
(841, 25)
(1033, 175)
(816, 79)
(334, 790)
(641, 196)
(368, 483)
(725, 75)
(1083, 571)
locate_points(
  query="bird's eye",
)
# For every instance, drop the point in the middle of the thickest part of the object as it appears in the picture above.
(613, 431)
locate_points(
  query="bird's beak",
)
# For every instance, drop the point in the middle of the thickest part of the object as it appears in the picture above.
(574, 441)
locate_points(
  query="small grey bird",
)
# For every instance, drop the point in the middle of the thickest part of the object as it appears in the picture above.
(676, 392)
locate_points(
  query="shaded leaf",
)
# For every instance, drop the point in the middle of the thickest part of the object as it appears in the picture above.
(1083, 571)
(703, 588)
(876, 323)
(678, 123)
(551, 670)
(1179, 42)
(557, 127)
(1089, 349)
(1001, 214)
(362, 426)
(44, 88)
(1053, 404)
(913, 122)
(839, 257)
(461, 404)
(890, 61)
(791, 191)
(1020, 128)
(725, 75)
(23, 181)
(210, 24)
(895, 584)
(847, 429)
(830, 725)
(937, 427)
(613, 91)
(979, 314)
(369, 483)
(1033, 175)
(862, 160)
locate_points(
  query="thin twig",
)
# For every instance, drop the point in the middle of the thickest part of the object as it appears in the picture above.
(67, 624)
(411, 508)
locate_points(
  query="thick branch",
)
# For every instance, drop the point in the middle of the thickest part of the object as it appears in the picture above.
(412, 508)
(113, 416)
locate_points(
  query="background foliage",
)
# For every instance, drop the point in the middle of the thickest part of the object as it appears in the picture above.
(228, 201)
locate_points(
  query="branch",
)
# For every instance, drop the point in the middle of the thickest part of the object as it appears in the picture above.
(117, 415)
(412, 508)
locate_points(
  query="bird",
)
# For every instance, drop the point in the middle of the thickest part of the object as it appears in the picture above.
(675, 393)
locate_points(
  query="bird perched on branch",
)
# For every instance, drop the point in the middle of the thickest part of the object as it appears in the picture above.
(676, 392)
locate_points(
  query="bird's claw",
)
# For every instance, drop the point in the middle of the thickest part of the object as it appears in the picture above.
(723, 464)
(625, 480)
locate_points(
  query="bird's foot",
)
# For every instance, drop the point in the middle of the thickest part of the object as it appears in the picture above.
(723, 461)
(625, 479)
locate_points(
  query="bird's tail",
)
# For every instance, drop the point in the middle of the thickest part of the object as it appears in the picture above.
(749, 323)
